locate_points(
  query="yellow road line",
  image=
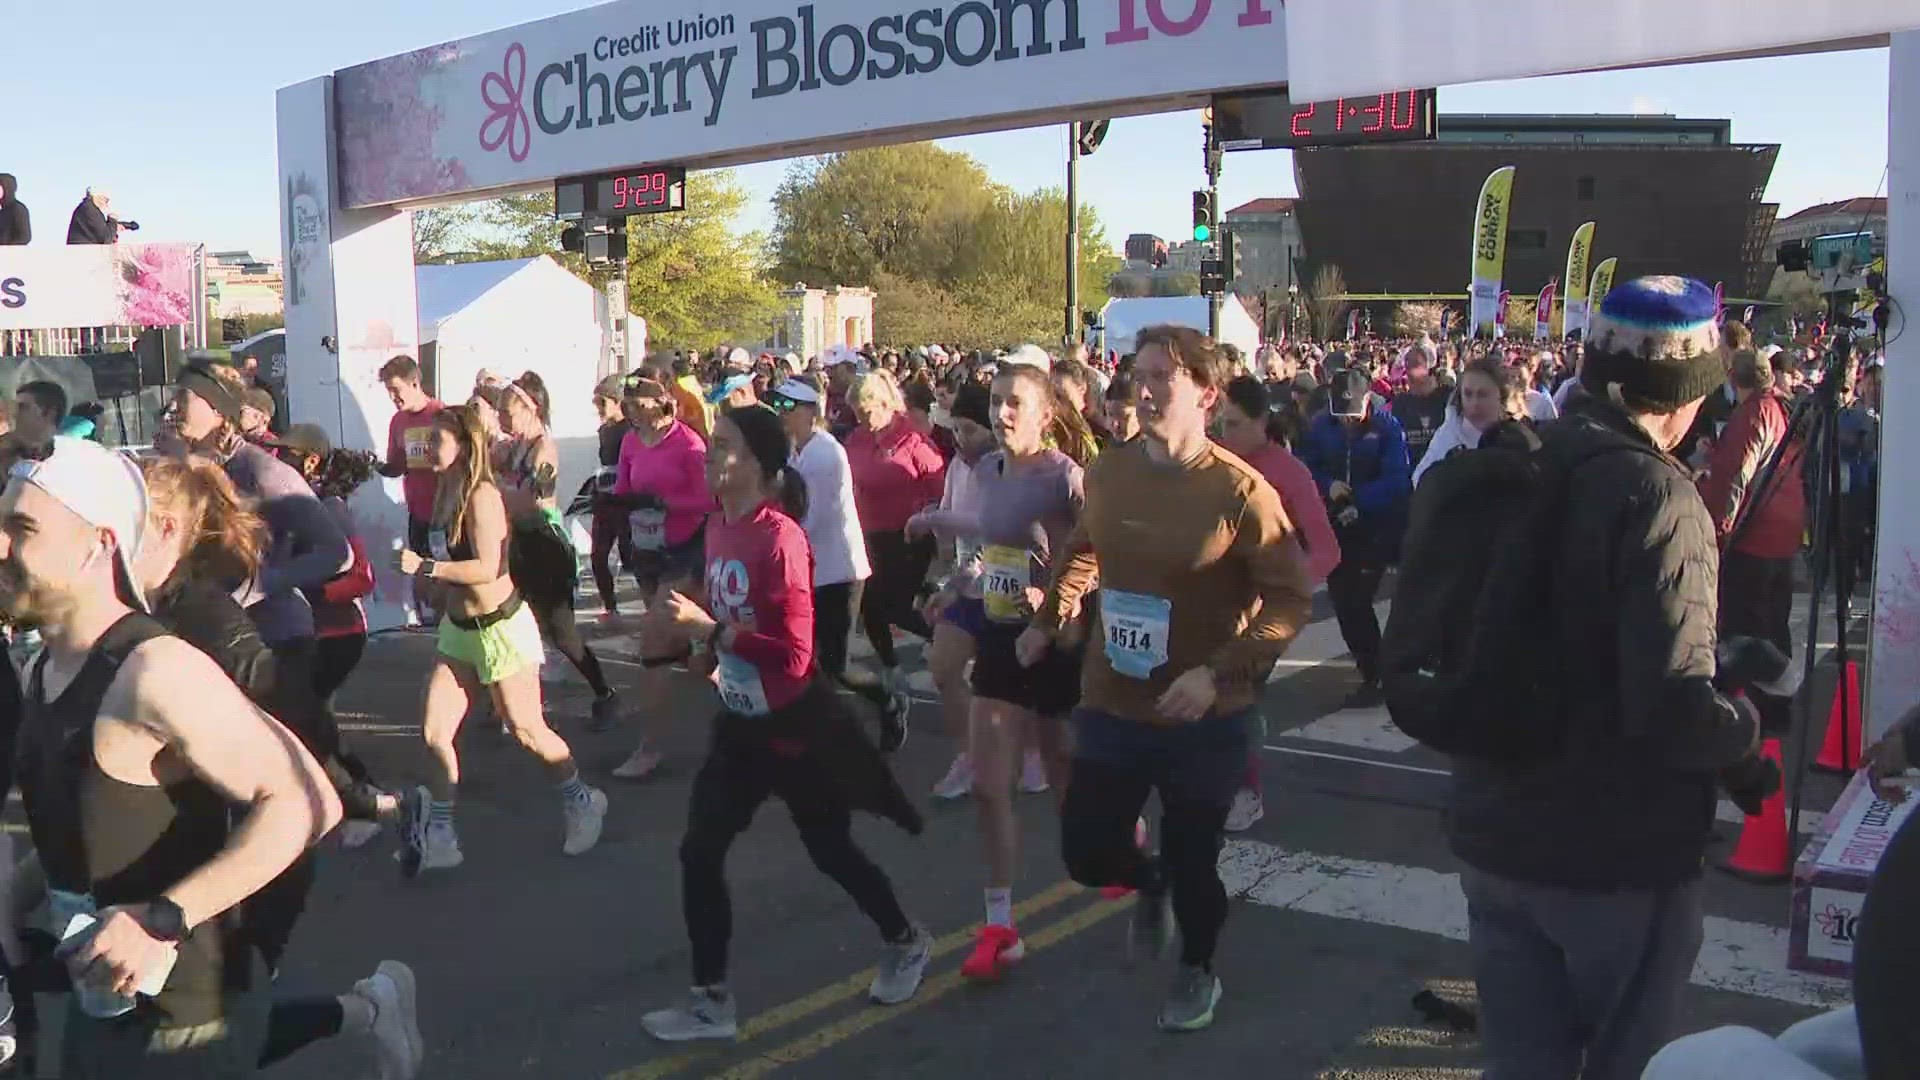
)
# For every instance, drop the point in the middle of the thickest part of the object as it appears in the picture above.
(828, 996)
(932, 990)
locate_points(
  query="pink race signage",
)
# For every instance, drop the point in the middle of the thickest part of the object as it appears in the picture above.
(48, 287)
(633, 83)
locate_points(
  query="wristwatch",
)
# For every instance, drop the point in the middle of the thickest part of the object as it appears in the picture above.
(426, 568)
(164, 921)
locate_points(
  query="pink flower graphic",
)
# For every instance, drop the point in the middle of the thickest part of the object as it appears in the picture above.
(388, 128)
(1835, 921)
(506, 122)
(157, 284)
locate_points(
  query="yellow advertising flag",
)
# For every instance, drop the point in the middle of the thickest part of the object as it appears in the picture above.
(1575, 315)
(1489, 248)
(1598, 289)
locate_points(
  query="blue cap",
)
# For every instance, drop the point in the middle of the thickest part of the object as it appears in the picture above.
(727, 386)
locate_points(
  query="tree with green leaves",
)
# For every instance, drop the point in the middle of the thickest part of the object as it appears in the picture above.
(953, 257)
(695, 280)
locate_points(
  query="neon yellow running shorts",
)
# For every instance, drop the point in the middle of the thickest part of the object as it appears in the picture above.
(496, 652)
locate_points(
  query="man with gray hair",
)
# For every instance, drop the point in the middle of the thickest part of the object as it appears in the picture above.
(91, 222)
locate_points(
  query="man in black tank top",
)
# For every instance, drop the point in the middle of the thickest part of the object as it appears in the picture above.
(132, 754)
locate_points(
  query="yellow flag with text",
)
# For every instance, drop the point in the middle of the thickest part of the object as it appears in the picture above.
(1575, 316)
(1598, 289)
(1489, 249)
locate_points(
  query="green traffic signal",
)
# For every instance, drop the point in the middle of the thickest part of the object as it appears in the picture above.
(1202, 234)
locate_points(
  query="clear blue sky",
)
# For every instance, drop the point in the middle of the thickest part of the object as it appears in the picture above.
(170, 106)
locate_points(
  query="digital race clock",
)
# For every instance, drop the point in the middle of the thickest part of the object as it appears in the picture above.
(1271, 119)
(651, 189)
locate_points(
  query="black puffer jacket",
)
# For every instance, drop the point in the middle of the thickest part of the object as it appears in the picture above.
(1630, 803)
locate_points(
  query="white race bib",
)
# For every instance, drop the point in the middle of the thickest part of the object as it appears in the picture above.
(741, 691)
(1136, 628)
(437, 543)
(648, 529)
(1004, 578)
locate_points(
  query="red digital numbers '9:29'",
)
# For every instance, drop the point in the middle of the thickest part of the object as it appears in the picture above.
(641, 190)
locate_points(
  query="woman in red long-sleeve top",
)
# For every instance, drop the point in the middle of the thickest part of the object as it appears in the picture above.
(897, 472)
(781, 732)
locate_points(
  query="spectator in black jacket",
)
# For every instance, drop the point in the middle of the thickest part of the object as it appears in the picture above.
(1582, 871)
(16, 227)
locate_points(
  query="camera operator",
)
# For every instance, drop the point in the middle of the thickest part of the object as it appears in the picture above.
(1756, 559)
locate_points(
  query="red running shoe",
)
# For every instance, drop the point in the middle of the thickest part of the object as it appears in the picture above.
(994, 951)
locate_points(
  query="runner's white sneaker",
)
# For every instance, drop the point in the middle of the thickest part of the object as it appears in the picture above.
(584, 818)
(707, 1014)
(638, 766)
(1033, 774)
(1248, 808)
(396, 1026)
(958, 783)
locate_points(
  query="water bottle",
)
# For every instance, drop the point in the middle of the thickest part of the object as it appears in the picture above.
(98, 1002)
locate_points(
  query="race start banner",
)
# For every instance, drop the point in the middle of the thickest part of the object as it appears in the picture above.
(53, 287)
(1543, 314)
(1489, 250)
(1574, 319)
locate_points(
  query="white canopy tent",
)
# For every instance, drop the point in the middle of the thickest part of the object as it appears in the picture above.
(1127, 317)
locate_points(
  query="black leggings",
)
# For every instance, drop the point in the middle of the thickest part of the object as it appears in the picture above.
(297, 1023)
(739, 775)
(1097, 819)
(609, 536)
(833, 608)
(334, 658)
(892, 593)
(557, 626)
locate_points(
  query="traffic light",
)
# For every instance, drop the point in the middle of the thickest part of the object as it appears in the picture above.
(1202, 216)
(1228, 253)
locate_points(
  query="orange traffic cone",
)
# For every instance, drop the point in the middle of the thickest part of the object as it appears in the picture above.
(1841, 752)
(1763, 855)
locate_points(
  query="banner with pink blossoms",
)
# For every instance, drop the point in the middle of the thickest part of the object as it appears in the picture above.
(50, 287)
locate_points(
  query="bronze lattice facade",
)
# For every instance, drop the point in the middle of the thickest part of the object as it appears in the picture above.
(1670, 196)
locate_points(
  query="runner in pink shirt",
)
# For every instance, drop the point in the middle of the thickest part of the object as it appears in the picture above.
(1245, 426)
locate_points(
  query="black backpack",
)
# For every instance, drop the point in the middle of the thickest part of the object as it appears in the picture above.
(1469, 660)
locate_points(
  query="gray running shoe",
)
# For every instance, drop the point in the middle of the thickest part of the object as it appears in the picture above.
(707, 1014)
(1190, 1000)
(1152, 930)
(901, 968)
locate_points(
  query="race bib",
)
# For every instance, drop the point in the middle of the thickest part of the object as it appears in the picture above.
(1136, 628)
(1003, 582)
(437, 543)
(741, 691)
(418, 442)
(648, 529)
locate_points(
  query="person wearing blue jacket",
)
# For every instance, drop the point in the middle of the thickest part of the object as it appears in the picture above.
(1358, 456)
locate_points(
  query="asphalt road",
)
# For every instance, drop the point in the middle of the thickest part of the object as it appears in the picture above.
(532, 964)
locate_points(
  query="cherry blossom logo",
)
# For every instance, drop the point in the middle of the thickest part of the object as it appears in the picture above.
(502, 91)
(1837, 923)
